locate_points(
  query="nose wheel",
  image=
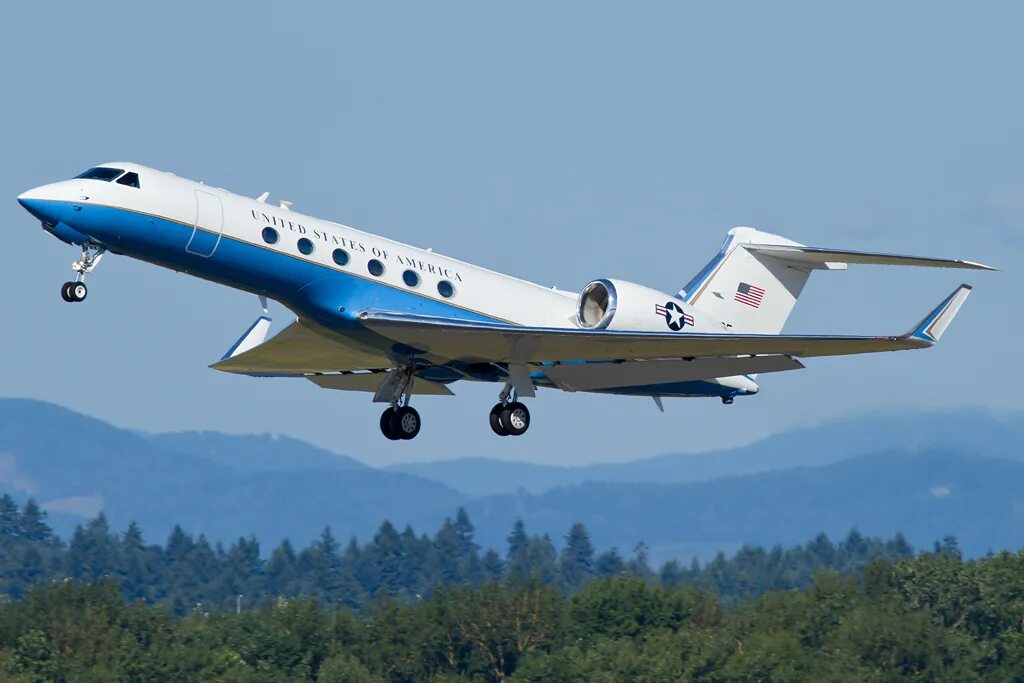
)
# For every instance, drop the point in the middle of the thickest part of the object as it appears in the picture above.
(76, 291)
(510, 419)
(73, 292)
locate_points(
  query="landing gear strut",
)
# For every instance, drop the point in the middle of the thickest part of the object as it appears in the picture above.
(76, 291)
(509, 417)
(401, 422)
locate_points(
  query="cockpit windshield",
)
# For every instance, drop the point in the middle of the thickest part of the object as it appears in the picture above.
(103, 173)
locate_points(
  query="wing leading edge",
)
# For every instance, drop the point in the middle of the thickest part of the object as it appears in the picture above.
(448, 339)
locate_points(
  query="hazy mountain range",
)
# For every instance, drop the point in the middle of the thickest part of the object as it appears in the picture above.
(926, 475)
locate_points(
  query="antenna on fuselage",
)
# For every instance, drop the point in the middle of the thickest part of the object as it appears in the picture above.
(263, 197)
(287, 206)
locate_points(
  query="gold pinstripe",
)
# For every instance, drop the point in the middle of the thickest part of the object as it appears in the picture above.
(447, 302)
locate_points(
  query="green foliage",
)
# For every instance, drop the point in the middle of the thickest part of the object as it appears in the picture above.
(932, 617)
(403, 607)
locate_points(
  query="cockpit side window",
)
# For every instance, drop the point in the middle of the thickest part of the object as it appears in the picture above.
(103, 173)
(131, 179)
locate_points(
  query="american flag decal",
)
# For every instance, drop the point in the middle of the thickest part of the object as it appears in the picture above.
(748, 294)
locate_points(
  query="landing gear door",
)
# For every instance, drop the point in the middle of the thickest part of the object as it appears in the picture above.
(208, 226)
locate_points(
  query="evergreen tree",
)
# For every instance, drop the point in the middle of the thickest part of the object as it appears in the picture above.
(492, 565)
(517, 539)
(10, 520)
(280, 570)
(386, 555)
(33, 522)
(609, 563)
(447, 563)
(576, 565)
(92, 551)
(640, 564)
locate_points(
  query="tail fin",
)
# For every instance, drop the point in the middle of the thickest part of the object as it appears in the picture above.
(746, 291)
(753, 282)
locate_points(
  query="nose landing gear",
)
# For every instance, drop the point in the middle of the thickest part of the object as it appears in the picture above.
(73, 292)
(509, 417)
(76, 291)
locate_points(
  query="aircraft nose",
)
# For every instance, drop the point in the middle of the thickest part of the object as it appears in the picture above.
(25, 199)
(42, 203)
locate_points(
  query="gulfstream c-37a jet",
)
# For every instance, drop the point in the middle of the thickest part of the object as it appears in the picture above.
(396, 321)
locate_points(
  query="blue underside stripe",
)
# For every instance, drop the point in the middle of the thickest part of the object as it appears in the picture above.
(315, 290)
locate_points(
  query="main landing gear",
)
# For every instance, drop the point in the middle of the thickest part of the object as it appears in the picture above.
(76, 291)
(401, 422)
(509, 417)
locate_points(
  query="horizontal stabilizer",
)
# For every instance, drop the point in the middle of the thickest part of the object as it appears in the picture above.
(597, 376)
(818, 258)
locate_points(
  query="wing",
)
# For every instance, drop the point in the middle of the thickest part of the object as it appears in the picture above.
(299, 349)
(304, 350)
(445, 339)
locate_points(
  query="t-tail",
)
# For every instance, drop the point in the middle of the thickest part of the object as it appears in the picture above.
(752, 284)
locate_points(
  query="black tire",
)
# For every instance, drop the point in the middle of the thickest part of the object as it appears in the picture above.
(515, 418)
(495, 420)
(405, 423)
(65, 292)
(385, 425)
(77, 291)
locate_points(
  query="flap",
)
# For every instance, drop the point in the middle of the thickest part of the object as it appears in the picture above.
(371, 381)
(595, 376)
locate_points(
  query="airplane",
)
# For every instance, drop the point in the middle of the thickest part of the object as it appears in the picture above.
(379, 316)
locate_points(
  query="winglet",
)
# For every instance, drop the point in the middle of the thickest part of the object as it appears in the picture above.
(932, 327)
(253, 337)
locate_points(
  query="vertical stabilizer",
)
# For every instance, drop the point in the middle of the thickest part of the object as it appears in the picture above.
(746, 291)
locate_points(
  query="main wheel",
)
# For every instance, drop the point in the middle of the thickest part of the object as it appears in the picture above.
(495, 419)
(77, 291)
(515, 418)
(385, 425)
(65, 291)
(406, 423)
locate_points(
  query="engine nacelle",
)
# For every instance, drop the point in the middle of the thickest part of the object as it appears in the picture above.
(622, 305)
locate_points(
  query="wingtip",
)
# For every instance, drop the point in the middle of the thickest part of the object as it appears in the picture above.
(935, 323)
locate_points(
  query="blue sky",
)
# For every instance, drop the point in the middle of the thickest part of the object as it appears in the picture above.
(559, 142)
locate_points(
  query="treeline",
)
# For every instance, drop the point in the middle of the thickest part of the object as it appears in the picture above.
(933, 617)
(188, 571)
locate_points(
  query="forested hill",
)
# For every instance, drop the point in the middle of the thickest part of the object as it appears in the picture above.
(226, 487)
(404, 565)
